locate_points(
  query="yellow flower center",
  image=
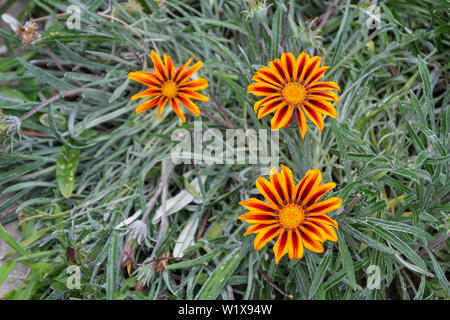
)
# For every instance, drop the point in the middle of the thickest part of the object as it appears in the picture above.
(294, 93)
(291, 216)
(169, 89)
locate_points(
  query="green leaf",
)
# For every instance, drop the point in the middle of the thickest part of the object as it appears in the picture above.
(399, 244)
(11, 242)
(113, 264)
(276, 33)
(347, 261)
(220, 276)
(71, 36)
(439, 272)
(66, 165)
(19, 171)
(319, 274)
(5, 270)
(193, 262)
(425, 75)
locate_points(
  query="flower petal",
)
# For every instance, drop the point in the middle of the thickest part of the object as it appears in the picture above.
(324, 207)
(276, 67)
(317, 192)
(327, 230)
(255, 228)
(185, 75)
(295, 246)
(328, 85)
(322, 106)
(175, 107)
(282, 117)
(192, 94)
(311, 179)
(289, 62)
(301, 120)
(314, 116)
(316, 74)
(323, 95)
(287, 183)
(147, 78)
(265, 235)
(280, 248)
(268, 191)
(161, 71)
(153, 91)
(162, 103)
(323, 219)
(310, 66)
(269, 108)
(311, 244)
(192, 107)
(181, 69)
(313, 231)
(170, 68)
(259, 217)
(197, 84)
(148, 104)
(258, 205)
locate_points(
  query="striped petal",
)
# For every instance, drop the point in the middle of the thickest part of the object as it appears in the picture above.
(282, 117)
(181, 69)
(311, 64)
(295, 245)
(161, 71)
(314, 116)
(176, 108)
(323, 219)
(197, 84)
(259, 217)
(170, 68)
(317, 192)
(192, 107)
(147, 78)
(301, 120)
(193, 95)
(324, 207)
(268, 191)
(328, 85)
(327, 231)
(148, 104)
(265, 235)
(255, 228)
(269, 108)
(258, 205)
(311, 179)
(185, 75)
(281, 246)
(311, 244)
(162, 103)
(322, 106)
(323, 95)
(153, 91)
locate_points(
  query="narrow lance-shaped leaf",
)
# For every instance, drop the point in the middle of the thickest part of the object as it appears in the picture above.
(66, 165)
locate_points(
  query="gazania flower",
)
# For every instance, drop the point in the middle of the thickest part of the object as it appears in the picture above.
(293, 213)
(291, 87)
(167, 85)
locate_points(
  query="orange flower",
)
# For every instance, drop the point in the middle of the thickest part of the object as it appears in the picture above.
(293, 213)
(291, 86)
(167, 85)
